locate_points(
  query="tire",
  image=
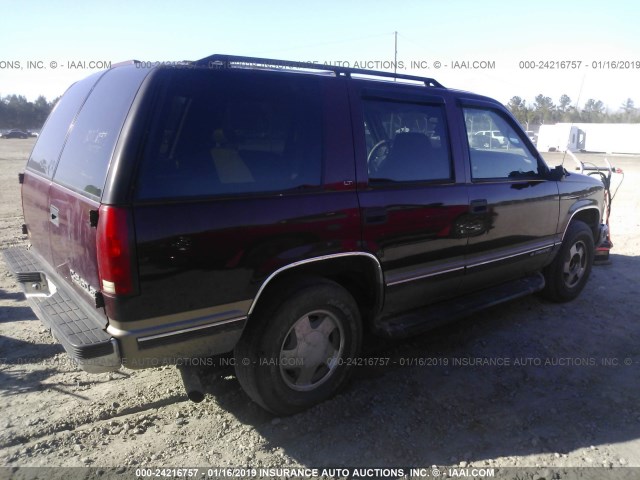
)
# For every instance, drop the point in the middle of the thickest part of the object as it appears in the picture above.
(567, 275)
(286, 375)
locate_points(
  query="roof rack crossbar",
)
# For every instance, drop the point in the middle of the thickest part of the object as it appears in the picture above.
(227, 61)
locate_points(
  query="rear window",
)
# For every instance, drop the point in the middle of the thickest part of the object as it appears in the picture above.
(222, 132)
(46, 152)
(85, 159)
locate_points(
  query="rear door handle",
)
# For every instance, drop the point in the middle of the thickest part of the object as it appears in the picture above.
(479, 206)
(54, 215)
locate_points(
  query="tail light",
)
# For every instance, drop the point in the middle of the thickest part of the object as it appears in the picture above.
(114, 251)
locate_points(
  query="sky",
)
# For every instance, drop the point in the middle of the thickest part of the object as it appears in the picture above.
(46, 46)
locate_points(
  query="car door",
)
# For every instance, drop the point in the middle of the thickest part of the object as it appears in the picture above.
(80, 178)
(39, 215)
(514, 202)
(410, 197)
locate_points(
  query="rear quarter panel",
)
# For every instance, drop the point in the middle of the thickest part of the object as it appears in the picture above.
(205, 253)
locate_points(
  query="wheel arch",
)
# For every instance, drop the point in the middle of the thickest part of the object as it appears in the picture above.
(359, 273)
(590, 215)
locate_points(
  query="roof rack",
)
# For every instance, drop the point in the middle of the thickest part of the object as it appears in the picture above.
(229, 61)
(125, 62)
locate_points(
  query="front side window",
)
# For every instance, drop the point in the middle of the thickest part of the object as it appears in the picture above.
(406, 142)
(224, 133)
(496, 149)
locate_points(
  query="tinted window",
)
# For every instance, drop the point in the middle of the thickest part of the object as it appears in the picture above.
(406, 142)
(222, 132)
(44, 156)
(496, 148)
(85, 159)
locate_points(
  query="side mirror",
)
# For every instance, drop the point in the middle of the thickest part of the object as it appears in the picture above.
(557, 174)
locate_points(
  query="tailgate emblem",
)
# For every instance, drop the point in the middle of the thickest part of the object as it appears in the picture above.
(82, 283)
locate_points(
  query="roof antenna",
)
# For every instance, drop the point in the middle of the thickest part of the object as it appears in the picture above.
(395, 56)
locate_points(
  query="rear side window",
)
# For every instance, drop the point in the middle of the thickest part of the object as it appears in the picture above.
(85, 159)
(406, 142)
(223, 132)
(46, 152)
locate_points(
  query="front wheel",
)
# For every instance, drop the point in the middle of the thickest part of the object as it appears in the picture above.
(567, 275)
(297, 354)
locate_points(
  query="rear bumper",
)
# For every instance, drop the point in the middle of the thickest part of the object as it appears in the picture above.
(97, 346)
(78, 329)
(182, 339)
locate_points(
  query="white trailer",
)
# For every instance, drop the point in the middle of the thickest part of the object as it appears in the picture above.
(560, 137)
(611, 137)
(590, 137)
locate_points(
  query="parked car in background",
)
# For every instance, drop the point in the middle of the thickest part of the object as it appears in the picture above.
(488, 139)
(15, 133)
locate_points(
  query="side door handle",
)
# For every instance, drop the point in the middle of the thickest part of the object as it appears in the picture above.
(479, 206)
(54, 215)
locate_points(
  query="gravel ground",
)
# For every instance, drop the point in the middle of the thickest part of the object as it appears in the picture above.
(562, 390)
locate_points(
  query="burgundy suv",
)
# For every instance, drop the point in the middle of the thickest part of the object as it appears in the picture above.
(277, 210)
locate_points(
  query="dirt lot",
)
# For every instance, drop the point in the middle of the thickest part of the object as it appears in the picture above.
(565, 394)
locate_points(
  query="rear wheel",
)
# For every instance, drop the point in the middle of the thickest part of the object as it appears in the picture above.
(295, 354)
(567, 275)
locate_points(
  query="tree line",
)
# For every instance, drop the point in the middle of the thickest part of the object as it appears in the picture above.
(17, 112)
(544, 111)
